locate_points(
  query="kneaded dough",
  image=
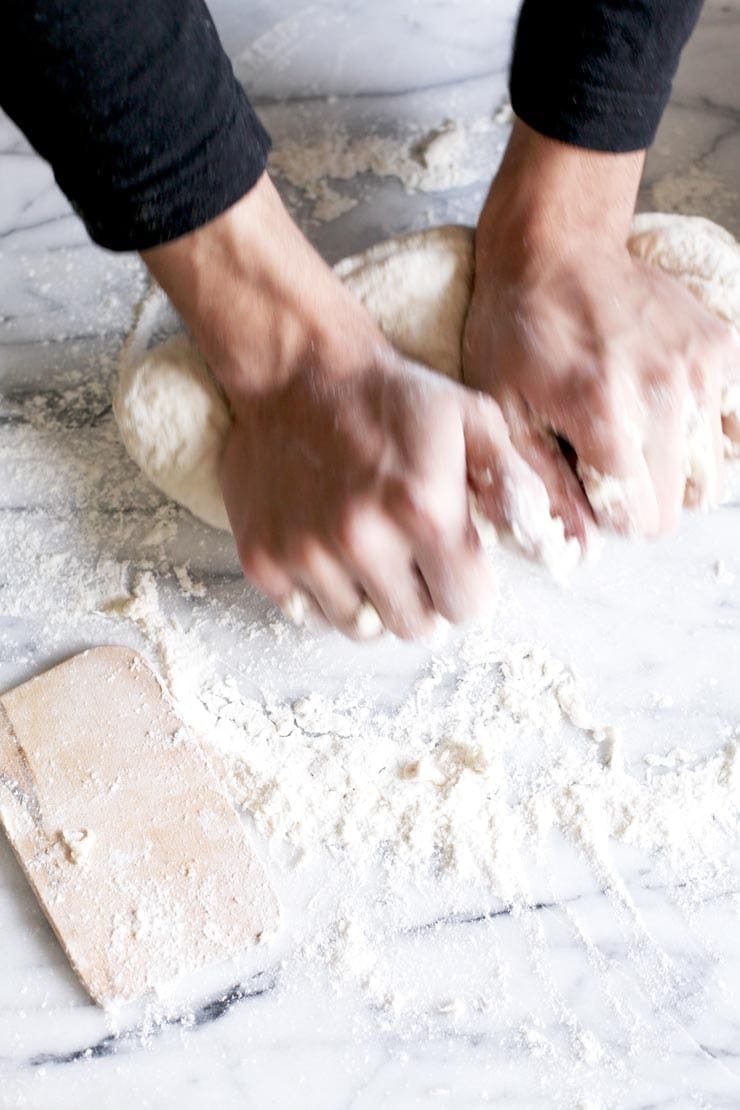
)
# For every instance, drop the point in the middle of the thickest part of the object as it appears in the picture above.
(173, 417)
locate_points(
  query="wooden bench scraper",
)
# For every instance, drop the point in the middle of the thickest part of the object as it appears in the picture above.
(129, 841)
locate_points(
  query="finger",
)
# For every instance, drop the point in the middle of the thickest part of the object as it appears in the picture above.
(379, 558)
(627, 505)
(265, 573)
(434, 515)
(336, 593)
(703, 449)
(730, 399)
(401, 600)
(455, 570)
(276, 582)
(302, 610)
(668, 401)
(541, 450)
(666, 463)
(509, 492)
(605, 433)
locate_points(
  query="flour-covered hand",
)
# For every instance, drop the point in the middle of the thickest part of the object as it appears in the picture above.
(584, 346)
(357, 486)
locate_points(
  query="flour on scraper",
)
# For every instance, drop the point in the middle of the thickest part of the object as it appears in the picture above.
(174, 418)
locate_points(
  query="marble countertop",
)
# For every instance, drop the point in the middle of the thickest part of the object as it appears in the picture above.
(583, 1008)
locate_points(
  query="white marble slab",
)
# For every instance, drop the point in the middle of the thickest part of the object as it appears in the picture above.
(570, 1004)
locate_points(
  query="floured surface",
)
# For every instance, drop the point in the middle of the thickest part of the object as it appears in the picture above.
(449, 156)
(495, 749)
(130, 843)
(471, 879)
(471, 850)
(430, 993)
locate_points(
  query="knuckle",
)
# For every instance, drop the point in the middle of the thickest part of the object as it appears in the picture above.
(664, 386)
(702, 384)
(304, 552)
(598, 393)
(256, 565)
(353, 531)
(425, 513)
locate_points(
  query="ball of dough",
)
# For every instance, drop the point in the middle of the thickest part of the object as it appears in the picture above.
(174, 419)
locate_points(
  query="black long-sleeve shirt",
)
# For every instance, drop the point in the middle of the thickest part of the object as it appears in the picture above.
(135, 104)
(598, 73)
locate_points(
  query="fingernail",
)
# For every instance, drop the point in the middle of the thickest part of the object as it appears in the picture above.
(367, 624)
(294, 608)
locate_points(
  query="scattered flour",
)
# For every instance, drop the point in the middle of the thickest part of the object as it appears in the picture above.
(187, 585)
(445, 157)
(496, 753)
(495, 749)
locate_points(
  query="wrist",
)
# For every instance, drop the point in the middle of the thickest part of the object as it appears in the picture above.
(257, 299)
(549, 200)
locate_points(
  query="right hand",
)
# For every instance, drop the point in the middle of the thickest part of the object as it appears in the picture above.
(356, 487)
(347, 470)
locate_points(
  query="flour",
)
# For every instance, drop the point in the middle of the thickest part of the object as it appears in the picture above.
(722, 574)
(495, 749)
(533, 531)
(445, 157)
(611, 498)
(188, 587)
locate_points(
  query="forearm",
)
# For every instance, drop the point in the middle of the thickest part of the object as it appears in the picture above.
(135, 105)
(258, 299)
(598, 73)
(231, 281)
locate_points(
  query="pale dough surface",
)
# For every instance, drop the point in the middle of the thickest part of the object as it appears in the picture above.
(173, 417)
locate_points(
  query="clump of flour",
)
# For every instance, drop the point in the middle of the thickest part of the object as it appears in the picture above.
(446, 157)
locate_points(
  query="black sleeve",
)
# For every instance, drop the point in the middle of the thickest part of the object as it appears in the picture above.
(598, 73)
(135, 105)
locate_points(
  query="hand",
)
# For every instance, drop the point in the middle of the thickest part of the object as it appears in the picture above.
(574, 337)
(347, 470)
(364, 492)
